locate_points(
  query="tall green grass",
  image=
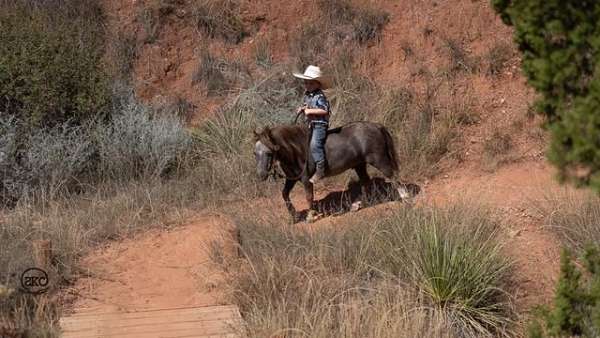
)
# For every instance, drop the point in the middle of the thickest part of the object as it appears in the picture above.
(415, 272)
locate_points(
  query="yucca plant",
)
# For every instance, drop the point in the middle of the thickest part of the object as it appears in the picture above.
(461, 272)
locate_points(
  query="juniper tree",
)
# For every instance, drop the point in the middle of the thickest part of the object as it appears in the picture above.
(560, 45)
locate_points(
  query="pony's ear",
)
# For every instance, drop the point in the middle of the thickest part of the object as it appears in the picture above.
(267, 139)
(258, 132)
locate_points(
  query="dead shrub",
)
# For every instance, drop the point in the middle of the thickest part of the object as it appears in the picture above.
(220, 19)
(340, 25)
(497, 57)
(460, 60)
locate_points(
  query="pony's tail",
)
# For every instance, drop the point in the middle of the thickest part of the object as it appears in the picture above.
(391, 148)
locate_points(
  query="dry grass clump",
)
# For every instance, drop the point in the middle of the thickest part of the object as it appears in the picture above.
(417, 272)
(496, 149)
(262, 52)
(121, 53)
(574, 218)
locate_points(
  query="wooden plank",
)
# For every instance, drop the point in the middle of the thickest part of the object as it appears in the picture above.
(214, 321)
(197, 309)
(218, 317)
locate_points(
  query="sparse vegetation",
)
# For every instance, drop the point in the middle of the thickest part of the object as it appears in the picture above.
(412, 273)
(350, 20)
(218, 74)
(342, 22)
(496, 148)
(122, 51)
(460, 60)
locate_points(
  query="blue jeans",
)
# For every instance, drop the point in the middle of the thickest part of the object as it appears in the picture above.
(317, 141)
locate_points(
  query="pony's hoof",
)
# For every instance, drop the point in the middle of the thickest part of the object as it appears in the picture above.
(356, 206)
(312, 216)
(403, 193)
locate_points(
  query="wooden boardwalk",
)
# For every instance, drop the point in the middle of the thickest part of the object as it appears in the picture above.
(209, 321)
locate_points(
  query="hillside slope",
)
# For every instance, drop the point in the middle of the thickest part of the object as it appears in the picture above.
(498, 155)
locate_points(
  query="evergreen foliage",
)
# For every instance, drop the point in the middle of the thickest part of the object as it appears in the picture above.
(576, 310)
(560, 45)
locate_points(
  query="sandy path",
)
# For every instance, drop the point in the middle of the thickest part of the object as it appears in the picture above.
(155, 269)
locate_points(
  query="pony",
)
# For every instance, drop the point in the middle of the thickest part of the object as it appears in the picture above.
(352, 146)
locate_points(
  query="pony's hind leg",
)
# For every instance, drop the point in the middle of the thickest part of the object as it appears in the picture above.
(387, 169)
(364, 181)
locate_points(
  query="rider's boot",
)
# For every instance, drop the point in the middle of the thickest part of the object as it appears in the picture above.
(319, 173)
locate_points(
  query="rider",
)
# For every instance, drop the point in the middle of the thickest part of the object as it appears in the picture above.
(317, 110)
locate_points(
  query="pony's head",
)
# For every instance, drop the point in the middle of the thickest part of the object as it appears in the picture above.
(264, 152)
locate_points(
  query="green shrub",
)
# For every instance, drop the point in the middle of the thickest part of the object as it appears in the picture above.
(50, 61)
(576, 308)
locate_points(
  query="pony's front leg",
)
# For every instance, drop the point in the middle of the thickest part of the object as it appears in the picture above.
(285, 193)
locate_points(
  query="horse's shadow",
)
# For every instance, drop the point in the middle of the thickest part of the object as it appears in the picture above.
(340, 202)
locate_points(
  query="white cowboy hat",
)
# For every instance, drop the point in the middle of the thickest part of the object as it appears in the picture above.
(314, 73)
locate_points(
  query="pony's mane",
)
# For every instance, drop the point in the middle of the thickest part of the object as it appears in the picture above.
(289, 142)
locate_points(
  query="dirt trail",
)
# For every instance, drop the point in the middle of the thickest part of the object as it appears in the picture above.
(155, 269)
